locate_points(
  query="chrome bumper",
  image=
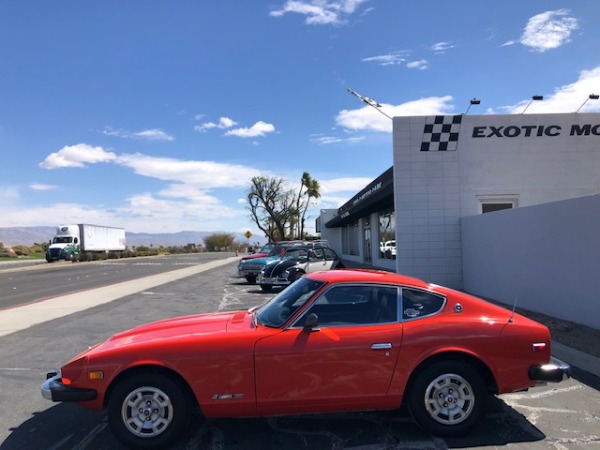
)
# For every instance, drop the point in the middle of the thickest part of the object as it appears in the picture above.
(53, 389)
(555, 371)
(275, 281)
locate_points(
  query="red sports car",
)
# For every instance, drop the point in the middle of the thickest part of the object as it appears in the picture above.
(341, 340)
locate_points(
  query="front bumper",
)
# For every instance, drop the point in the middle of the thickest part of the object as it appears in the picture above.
(272, 281)
(555, 371)
(243, 272)
(54, 389)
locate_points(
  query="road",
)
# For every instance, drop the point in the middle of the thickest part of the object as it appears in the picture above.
(34, 282)
(562, 416)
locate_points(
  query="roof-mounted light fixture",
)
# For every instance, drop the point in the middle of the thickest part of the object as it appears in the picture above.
(369, 101)
(590, 97)
(533, 99)
(473, 101)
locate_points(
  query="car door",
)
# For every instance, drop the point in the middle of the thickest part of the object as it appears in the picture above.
(348, 360)
(316, 261)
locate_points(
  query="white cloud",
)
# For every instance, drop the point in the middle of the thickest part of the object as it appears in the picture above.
(7, 195)
(367, 118)
(337, 185)
(422, 64)
(205, 174)
(154, 134)
(548, 30)
(441, 47)
(320, 12)
(77, 156)
(259, 129)
(42, 187)
(565, 99)
(326, 140)
(390, 59)
(223, 124)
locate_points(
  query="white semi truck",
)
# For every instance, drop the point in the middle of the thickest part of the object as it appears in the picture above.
(72, 240)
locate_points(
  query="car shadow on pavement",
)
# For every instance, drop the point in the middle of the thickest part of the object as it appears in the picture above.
(501, 426)
(67, 426)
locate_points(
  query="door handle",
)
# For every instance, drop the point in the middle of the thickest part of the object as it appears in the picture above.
(383, 346)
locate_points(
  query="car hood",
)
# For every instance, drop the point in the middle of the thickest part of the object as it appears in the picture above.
(260, 261)
(278, 267)
(254, 256)
(178, 328)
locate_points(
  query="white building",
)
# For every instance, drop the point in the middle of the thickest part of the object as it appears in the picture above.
(448, 168)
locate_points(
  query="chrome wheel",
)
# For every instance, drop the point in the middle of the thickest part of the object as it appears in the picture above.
(147, 412)
(449, 399)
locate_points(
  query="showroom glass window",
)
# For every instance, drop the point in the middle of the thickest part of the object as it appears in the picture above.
(387, 234)
(350, 239)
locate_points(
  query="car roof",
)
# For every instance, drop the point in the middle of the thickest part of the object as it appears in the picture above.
(368, 276)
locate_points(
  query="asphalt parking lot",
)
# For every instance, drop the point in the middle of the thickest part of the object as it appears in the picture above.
(561, 416)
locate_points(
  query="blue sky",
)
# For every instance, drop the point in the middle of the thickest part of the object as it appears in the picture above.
(154, 115)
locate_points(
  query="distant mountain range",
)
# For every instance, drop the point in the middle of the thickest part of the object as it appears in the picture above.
(11, 236)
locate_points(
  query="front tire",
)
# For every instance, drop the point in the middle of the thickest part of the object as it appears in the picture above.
(266, 287)
(148, 411)
(448, 398)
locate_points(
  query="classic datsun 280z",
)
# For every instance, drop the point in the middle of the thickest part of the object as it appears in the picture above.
(339, 340)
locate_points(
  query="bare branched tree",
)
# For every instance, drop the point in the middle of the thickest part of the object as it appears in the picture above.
(280, 212)
(270, 205)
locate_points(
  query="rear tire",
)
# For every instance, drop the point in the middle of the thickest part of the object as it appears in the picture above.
(448, 398)
(148, 411)
(251, 279)
(298, 275)
(266, 287)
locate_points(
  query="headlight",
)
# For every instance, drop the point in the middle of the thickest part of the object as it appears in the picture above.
(286, 275)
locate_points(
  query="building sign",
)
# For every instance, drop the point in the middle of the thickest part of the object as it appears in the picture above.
(534, 131)
(440, 133)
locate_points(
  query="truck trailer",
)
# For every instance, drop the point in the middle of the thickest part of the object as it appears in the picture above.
(71, 241)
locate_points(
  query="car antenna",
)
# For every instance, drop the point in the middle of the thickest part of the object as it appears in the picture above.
(512, 314)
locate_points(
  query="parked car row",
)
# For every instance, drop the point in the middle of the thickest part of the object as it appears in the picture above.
(251, 268)
(296, 262)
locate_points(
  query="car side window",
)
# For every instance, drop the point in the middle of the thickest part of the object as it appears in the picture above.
(317, 253)
(417, 304)
(329, 254)
(355, 305)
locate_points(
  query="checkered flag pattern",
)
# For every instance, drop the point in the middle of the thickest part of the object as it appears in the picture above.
(441, 133)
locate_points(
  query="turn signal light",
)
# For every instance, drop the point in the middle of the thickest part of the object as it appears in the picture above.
(95, 375)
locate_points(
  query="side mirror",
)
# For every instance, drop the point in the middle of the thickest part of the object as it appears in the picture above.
(311, 322)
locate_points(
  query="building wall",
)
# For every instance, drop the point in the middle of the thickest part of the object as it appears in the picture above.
(334, 237)
(527, 159)
(547, 257)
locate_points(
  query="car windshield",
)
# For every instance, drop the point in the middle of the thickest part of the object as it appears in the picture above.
(278, 250)
(63, 240)
(281, 307)
(267, 248)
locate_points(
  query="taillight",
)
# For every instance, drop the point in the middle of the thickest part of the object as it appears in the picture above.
(538, 347)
